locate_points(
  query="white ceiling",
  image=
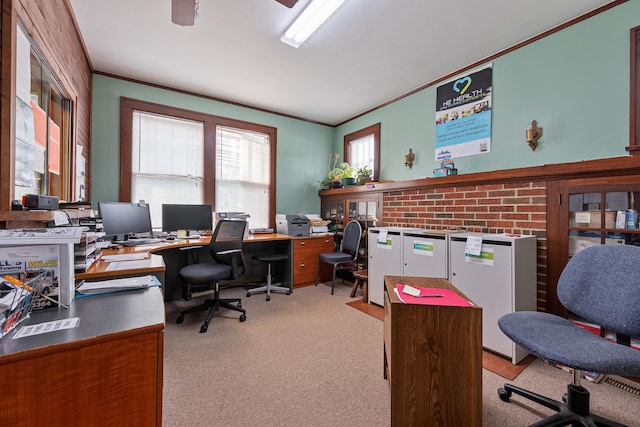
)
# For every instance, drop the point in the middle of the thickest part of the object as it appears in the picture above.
(368, 53)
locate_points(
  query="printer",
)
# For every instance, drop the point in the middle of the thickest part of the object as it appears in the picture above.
(293, 225)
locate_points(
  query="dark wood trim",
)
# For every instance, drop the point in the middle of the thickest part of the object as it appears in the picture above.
(634, 92)
(373, 129)
(492, 57)
(128, 105)
(7, 103)
(609, 167)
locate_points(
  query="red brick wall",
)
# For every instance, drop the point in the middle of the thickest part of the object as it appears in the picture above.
(519, 208)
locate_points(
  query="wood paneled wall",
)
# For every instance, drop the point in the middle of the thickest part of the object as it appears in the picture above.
(51, 26)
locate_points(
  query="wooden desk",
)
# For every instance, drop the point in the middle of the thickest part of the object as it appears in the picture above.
(432, 359)
(107, 371)
(166, 259)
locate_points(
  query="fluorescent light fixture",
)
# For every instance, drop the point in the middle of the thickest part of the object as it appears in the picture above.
(315, 14)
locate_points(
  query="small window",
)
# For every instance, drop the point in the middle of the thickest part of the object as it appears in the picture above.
(362, 148)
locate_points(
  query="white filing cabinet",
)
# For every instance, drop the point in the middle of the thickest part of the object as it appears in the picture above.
(425, 253)
(501, 280)
(385, 258)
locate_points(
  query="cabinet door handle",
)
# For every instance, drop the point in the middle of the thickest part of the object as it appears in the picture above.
(302, 243)
(302, 265)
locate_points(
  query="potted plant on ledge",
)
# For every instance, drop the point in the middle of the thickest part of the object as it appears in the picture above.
(340, 174)
(363, 175)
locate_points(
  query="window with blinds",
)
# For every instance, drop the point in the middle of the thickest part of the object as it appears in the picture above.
(167, 162)
(243, 173)
(177, 156)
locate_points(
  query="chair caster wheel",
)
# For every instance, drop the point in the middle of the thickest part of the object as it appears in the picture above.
(239, 305)
(504, 394)
(243, 317)
(180, 319)
(248, 294)
(288, 293)
(204, 328)
(564, 398)
(268, 297)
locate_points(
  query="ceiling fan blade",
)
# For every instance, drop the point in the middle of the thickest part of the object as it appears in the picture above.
(183, 12)
(288, 3)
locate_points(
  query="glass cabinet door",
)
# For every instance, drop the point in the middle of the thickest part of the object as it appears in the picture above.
(603, 217)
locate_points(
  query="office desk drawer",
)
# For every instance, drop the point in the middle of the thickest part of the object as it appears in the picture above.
(305, 259)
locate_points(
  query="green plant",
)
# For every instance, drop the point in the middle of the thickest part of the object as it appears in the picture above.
(364, 170)
(343, 170)
(337, 171)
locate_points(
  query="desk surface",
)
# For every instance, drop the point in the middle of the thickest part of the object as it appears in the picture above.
(155, 262)
(99, 315)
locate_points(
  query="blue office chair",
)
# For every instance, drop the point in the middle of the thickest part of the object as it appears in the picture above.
(226, 249)
(346, 257)
(601, 285)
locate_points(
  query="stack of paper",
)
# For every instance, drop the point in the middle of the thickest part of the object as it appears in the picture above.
(117, 284)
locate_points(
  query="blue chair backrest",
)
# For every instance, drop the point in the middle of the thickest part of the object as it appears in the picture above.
(602, 285)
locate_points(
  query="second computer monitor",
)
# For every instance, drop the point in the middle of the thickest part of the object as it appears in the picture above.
(186, 217)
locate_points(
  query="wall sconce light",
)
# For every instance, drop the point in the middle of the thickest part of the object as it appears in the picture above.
(409, 158)
(533, 135)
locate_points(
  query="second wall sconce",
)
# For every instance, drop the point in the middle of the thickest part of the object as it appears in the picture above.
(409, 158)
(533, 135)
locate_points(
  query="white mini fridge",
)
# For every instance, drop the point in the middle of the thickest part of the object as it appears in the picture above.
(501, 280)
(384, 246)
(425, 253)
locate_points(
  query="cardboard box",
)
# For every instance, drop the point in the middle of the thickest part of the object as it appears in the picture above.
(591, 219)
(578, 243)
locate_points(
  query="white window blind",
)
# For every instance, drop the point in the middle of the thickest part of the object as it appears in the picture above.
(167, 162)
(243, 163)
(361, 151)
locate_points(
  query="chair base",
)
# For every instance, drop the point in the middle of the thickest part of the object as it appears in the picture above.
(268, 288)
(575, 412)
(214, 304)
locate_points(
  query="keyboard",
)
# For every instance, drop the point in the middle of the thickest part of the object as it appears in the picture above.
(137, 242)
(261, 231)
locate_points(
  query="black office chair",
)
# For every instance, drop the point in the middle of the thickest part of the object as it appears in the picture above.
(345, 258)
(269, 287)
(600, 284)
(226, 249)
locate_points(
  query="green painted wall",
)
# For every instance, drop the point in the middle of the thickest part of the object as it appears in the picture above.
(575, 83)
(300, 144)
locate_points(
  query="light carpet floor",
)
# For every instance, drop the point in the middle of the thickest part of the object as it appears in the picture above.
(308, 359)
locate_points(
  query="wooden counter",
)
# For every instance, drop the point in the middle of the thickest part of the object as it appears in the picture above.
(107, 371)
(432, 359)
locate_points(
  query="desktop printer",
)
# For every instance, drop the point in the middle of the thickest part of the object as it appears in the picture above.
(293, 225)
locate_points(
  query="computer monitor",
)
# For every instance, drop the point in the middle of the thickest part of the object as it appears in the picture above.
(186, 217)
(122, 220)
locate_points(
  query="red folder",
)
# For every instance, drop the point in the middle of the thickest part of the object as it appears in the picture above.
(448, 297)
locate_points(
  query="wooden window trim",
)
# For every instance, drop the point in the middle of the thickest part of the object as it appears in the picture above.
(373, 129)
(211, 122)
(634, 99)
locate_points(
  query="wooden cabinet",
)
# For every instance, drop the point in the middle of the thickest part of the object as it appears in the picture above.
(107, 371)
(305, 259)
(432, 359)
(582, 213)
(342, 207)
